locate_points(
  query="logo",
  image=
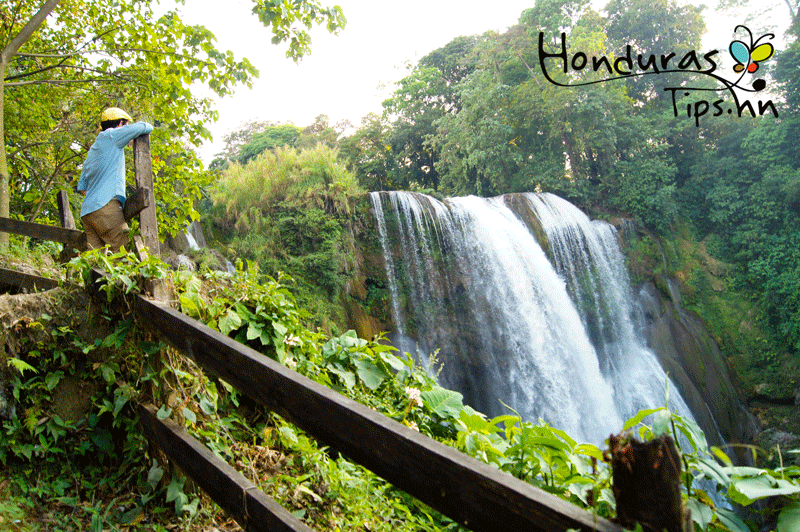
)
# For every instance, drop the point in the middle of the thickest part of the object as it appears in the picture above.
(748, 54)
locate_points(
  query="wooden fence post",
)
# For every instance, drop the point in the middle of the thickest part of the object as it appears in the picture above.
(148, 226)
(143, 169)
(64, 209)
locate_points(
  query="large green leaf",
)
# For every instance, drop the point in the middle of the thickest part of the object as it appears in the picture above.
(713, 471)
(701, 514)
(371, 375)
(731, 520)
(229, 322)
(347, 377)
(748, 490)
(395, 363)
(789, 518)
(445, 403)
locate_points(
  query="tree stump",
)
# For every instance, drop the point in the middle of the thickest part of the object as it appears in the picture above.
(647, 484)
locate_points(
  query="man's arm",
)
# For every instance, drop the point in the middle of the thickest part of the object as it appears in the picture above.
(125, 134)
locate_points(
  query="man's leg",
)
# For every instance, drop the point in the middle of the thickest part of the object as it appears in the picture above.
(109, 223)
(93, 239)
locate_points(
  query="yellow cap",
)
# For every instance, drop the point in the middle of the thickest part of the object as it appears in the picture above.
(115, 113)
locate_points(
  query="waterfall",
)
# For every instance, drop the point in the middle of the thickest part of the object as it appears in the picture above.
(553, 335)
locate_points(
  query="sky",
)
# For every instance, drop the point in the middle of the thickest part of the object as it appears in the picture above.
(346, 76)
(349, 75)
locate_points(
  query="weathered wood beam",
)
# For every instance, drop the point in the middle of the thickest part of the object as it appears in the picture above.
(65, 210)
(26, 281)
(249, 506)
(469, 492)
(143, 170)
(136, 203)
(42, 232)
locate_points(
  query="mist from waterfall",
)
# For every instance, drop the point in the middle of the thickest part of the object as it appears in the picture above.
(552, 335)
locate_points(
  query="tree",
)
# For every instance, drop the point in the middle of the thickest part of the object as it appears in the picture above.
(102, 53)
(369, 155)
(421, 98)
(272, 137)
(10, 49)
(654, 27)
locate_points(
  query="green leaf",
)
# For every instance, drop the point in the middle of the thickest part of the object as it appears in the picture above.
(443, 402)
(693, 433)
(789, 518)
(189, 415)
(163, 412)
(175, 489)
(719, 453)
(288, 434)
(661, 424)
(189, 306)
(52, 379)
(712, 470)
(108, 373)
(731, 520)
(302, 488)
(552, 443)
(589, 450)
(119, 402)
(701, 514)
(21, 365)
(371, 375)
(348, 377)
(155, 474)
(130, 516)
(253, 331)
(229, 322)
(280, 328)
(208, 407)
(394, 362)
(102, 438)
(635, 420)
(748, 490)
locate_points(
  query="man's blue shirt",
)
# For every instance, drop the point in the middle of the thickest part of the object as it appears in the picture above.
(103, 174)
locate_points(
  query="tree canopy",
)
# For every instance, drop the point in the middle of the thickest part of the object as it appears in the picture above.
(58, 72)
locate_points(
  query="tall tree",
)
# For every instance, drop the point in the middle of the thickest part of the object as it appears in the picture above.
(421, 98)
(9, 50)
(654, 27)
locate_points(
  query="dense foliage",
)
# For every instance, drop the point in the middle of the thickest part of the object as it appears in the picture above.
(86, 467)
(87, 56)
(288, 211)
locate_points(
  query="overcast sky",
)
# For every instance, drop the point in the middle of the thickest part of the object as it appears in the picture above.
(348, 76)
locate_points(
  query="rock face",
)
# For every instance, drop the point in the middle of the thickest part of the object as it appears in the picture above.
(366, 300)
(693, 360)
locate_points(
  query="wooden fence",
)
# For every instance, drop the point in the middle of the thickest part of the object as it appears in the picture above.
(470, 492)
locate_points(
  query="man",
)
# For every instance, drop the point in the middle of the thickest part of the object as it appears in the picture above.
(103, 180)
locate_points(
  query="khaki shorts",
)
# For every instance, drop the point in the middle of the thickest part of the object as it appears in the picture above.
(106, 226)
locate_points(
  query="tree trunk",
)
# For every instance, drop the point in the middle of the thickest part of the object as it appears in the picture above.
(646, 484)
(6, 54)
(4, 181)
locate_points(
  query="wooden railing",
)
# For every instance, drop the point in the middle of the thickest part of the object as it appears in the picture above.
(470, 492)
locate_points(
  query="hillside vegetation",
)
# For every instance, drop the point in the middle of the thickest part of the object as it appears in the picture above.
(73, 458)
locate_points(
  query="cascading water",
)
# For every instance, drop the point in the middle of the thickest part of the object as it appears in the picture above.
(553, 338)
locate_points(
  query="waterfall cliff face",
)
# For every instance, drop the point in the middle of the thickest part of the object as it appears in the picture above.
(528, 303)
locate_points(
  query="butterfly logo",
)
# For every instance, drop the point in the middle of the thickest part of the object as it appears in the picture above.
(749, 56)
